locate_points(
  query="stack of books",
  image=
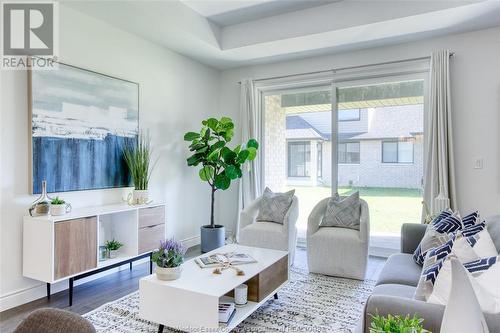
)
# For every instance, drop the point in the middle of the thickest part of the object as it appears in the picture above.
(226, 312)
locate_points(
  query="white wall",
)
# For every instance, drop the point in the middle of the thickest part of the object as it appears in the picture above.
(475, 75)
(176, 93)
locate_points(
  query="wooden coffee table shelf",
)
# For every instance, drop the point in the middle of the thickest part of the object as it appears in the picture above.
(191, 302)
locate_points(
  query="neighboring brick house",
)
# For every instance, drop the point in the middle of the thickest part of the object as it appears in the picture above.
(378, 147)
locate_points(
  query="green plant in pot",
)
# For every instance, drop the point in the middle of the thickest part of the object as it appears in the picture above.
(138, 160)
(59, 206)
(218, 165)
(397, 324)
(112, 247)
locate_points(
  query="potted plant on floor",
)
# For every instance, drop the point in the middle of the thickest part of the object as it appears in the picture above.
(219, 166)
(169, 258)
(112, 247)
(138, 159)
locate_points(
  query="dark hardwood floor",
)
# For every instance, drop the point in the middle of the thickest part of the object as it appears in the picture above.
(93, 294)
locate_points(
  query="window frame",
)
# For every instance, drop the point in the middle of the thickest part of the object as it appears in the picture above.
(319, 160)
(297, 143)
(345, 143)
(397, 151)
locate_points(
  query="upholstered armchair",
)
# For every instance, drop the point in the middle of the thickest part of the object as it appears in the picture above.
(337, 251)
(48, 320)
(269, 234)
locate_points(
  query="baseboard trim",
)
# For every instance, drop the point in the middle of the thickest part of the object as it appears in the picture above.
(26, 295)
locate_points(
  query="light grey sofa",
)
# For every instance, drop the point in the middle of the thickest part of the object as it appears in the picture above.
(269, 235)
(338, 251)
(396, 285)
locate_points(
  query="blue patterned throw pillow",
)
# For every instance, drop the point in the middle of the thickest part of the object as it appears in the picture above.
(437, 234)
(427, 282)
(474, 229)
(471, 219)
(449, 224)
(483, 273)
(442, 215)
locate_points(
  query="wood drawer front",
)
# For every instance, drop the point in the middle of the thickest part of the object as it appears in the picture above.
(151, 216)
(150, 237)
(75, 248)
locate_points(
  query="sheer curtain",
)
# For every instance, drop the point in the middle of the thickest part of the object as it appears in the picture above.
(439, 180)
(250, 182)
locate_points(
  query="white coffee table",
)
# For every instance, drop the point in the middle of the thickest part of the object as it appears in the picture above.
(191, 303)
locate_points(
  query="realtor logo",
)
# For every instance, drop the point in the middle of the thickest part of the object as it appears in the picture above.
(28, 32)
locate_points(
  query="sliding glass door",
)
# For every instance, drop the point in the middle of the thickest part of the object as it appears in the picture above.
(380, 152)
(355, 135)
(297, 145)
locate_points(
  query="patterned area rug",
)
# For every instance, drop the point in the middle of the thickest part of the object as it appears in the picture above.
(308, 303)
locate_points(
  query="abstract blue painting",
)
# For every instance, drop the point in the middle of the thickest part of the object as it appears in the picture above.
(80, 123)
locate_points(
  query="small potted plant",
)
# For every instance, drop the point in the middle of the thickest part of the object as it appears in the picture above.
(112, 247)
(397, 324)
(138, 160)
(59, 206)
(169, 258)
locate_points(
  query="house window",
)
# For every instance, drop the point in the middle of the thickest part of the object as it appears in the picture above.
(349, 115)
(397, 152)
(299, 158)
(349, 153)
(320, 159)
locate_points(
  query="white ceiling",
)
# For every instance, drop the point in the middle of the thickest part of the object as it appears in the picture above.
(231, 33)
(229, 12)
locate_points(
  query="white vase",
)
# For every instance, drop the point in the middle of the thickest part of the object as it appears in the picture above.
(140, 197)
(112, 254)
(167, 273)
(60, 209)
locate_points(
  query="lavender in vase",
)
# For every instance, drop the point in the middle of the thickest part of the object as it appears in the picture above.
(169, 258)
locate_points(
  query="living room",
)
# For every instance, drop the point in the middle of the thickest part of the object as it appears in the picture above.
(244, 68)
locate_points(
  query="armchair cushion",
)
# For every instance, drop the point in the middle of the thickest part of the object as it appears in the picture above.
(266, 235)
(274, 206)
(343, 213)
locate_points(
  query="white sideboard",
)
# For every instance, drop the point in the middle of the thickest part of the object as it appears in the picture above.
(56, 248)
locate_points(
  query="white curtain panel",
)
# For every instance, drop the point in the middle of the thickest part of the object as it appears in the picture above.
(249, 188)
(439, 180)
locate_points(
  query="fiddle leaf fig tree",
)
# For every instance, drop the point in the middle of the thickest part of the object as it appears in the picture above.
(219, 164)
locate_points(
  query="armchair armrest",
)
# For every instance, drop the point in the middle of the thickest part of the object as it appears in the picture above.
(384, 305)
(315, 217)
(248, 215)
(364, 222)
(292, 214)
(411, 235)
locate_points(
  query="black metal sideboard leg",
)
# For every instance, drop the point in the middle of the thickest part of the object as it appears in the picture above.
(71, 291)
(131, 265)
(276, 296)
(151, 264)
(160, 328)
(48, 290)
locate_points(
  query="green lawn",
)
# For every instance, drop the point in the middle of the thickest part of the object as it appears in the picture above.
(389, 207)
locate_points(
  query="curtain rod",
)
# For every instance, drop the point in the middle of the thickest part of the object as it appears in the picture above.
(346, 68)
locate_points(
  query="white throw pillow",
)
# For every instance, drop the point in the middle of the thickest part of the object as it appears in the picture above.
(463, 312)
(474, 247)
(484, 275)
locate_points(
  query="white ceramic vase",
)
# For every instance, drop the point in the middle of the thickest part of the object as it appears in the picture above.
(112, 254)
(167, 273)
(140, 197)
(60, 209)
